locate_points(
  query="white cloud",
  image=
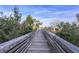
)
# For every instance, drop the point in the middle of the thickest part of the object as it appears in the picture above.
(47, 16)
(67, 16)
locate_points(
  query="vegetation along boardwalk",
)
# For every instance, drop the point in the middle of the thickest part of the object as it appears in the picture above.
(39, 41)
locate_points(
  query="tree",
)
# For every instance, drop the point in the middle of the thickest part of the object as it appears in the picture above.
(28, 24)
(17, 15)
(10, 26)
(1, 13)
(36, 24)
(70, 32)
(77, 16)
(29, 20)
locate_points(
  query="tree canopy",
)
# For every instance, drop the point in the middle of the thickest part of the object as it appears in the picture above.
(10, 27)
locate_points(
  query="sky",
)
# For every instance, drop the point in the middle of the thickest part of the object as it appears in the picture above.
(45, 13)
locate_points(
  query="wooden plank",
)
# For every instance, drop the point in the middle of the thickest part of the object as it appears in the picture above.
(10, 44)
(67, 46)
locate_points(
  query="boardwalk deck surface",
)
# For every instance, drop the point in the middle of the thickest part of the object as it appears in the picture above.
(38, 41)
(39, 44)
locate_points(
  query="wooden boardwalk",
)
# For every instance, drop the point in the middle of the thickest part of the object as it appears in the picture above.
(39, 44)
(39, 41)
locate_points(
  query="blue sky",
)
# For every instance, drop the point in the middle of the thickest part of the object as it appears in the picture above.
(45, 13)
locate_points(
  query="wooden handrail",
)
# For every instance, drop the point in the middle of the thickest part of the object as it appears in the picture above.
(6, 46)
(21, 44)
(67, 46)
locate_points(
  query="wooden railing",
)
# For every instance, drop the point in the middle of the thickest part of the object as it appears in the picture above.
(19, 44)
(61, 44)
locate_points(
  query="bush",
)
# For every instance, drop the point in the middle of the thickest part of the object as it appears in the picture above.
(70, 33)
(10, 27)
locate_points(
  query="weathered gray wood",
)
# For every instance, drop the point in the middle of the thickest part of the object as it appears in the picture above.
(55, 47)
(24, 45)
(16, 47)
(67, 46)
(39, 44)
(39, 41)
(4, 47)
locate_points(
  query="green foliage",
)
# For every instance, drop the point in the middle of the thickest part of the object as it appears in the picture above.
(11, 27)
(17, 15)
(29, 21)
(27, 24)
(70, 32)
(36, 24)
